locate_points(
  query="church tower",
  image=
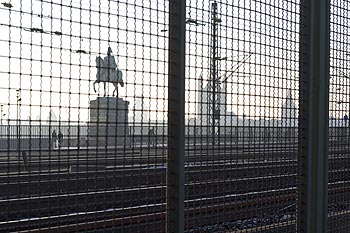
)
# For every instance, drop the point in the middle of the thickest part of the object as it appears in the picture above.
(289, 111)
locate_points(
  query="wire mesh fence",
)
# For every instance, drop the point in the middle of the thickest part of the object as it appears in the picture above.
(241, 95)
(338, 194)
(91, 116)
(83, 114)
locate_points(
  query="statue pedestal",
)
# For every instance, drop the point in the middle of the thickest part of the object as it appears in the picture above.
(108, 124)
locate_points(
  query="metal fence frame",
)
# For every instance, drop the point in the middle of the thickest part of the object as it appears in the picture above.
(312, 132)
(313, 117)
(176, 118)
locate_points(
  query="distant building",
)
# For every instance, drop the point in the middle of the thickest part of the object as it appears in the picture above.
(37, 120)
(289, 111)
(140, 110)
(52, 117)
(204, 111)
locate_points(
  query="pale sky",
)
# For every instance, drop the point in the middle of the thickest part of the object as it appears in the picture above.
(67, 88)
(63, 78)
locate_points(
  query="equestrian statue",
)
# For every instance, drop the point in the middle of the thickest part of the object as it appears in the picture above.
(107, 72)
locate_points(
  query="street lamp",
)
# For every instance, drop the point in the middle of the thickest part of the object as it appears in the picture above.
(2, 113)
(18, 96)
(220, 58)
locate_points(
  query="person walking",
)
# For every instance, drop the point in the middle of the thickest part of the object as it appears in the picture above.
(151, 136)
(25, 160)
(54, 138)
(60, 139)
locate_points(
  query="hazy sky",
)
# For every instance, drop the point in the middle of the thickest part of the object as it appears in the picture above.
(51, 74)
(60, 78)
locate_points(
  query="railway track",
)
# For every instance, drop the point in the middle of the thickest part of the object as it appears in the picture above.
(66, 192)
(198, 212)
(136, 198)
(91, 159)
(14, 184)
(195, 207)
(82, 196)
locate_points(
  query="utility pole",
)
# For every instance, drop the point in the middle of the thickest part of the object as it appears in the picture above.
(214, 84)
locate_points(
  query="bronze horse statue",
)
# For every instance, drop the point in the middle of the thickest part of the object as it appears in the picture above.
(107, 74)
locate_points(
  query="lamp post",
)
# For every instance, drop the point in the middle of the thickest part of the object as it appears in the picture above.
(2, 112)
(18, 96)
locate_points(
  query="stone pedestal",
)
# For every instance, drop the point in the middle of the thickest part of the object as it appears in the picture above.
(108, 124)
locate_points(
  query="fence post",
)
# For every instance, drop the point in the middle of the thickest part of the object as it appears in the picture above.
(313, 116)
(176, 118)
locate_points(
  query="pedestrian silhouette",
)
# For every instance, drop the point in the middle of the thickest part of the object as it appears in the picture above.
(25, 160)
(60, 139)
(151, 135)
(54, 139)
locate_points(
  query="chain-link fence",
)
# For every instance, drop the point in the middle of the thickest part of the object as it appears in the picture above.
(241, 97)
(83, 115)
(188, 115)
(339, 198)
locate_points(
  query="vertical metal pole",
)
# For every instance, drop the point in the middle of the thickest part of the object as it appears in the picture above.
(214, 84)
(17, 123)
(18, 96)
(213, 70)
(313, 117)
(176, 118)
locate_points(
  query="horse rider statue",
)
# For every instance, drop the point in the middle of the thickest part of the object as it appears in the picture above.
(107, 71)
